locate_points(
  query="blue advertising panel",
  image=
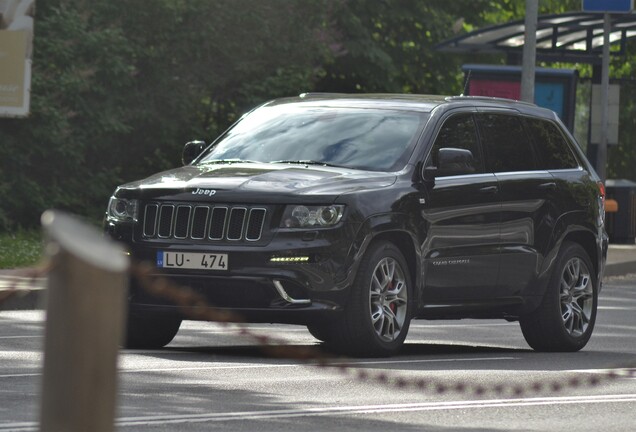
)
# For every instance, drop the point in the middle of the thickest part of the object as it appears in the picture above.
(551, 96)
(614, 6)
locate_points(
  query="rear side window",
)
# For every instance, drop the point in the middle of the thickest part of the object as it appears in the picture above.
(506, 144)
(554, 151)
(460, 132)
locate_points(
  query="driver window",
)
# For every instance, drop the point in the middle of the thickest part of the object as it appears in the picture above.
(458, 132)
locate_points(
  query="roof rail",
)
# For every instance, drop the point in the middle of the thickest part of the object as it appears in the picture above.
(491, 99)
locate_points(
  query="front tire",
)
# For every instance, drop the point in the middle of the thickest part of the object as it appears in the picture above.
(146, 330)
(565, 318)
(377, 317)
(319, 331)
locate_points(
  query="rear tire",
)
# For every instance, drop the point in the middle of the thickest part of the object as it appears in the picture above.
(377, 317)
(565, 319)
(150, 330)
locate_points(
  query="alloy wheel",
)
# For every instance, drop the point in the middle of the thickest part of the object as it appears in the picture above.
(388, 297)
(576, 296)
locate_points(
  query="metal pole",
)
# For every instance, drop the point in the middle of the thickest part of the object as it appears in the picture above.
(529, 51)
(601, 156)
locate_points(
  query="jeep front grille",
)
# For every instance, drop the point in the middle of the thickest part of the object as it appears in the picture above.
(203, 222)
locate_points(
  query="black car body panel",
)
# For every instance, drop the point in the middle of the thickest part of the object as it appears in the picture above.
(480, 243)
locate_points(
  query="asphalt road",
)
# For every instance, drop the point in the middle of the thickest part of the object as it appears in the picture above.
(478, 375)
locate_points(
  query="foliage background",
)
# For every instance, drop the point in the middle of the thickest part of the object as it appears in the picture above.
(119, 86)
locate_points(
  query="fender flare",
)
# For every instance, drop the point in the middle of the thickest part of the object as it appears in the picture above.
(571, 224)
(394, 227)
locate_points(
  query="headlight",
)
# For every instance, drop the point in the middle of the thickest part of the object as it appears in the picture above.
(122, 210)
(300, 216)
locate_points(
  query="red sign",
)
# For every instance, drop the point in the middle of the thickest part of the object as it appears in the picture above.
(502, 89)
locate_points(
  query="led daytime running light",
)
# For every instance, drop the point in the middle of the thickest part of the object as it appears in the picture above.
(290, 259)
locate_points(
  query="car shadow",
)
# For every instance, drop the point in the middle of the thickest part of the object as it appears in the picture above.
(412, 356)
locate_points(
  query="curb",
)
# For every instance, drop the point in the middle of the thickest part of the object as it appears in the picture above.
(620, 269)
(621, 260)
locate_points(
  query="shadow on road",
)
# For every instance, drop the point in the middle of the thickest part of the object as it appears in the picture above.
(413, 356)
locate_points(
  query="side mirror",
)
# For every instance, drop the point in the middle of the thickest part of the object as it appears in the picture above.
(455, 161)
(191, 151)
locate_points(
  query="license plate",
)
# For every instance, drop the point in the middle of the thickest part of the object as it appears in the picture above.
(192, 260)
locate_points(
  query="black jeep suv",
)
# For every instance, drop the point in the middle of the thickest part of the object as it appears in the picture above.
(353, 214)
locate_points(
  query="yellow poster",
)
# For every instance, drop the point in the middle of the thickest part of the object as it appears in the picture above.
(16, 44)
(13, 46)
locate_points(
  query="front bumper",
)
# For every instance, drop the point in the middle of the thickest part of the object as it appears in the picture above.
(256, 286)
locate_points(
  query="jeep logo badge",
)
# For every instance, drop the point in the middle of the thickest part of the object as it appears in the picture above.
(208, 192)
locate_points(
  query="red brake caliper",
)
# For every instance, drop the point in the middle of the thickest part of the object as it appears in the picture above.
(392, 305)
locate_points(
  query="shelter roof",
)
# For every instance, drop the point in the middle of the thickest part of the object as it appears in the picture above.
(570, 37)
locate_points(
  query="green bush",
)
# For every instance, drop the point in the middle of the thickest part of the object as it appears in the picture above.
(21, 249)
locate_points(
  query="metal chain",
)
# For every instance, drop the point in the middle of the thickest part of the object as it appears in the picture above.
(194, 306)
(22, 282)
(279, 347)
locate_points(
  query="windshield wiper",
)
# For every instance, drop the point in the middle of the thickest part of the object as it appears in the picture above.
(308, 162)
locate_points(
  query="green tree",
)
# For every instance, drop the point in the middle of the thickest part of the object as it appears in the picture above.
(55, 157)
(119, 86)
(388, 46)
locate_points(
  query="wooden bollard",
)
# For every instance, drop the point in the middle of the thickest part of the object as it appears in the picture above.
(87, 288)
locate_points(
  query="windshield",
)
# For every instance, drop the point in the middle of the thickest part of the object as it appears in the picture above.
(370, 139)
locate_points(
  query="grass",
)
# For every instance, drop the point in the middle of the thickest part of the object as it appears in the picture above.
(20, 249)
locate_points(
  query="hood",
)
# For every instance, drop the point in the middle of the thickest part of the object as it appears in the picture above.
(264, 181)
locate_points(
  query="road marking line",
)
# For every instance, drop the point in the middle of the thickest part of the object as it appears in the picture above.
(622, 308)
(21, 375)
(370, 409)
(625, 372)
(21, 337)
(22, 283)
(275, 366)
(349, 410)
(619, 371)
(351, 364)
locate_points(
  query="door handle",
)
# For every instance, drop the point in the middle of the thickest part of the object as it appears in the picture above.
(489, 190)
(548, 186)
